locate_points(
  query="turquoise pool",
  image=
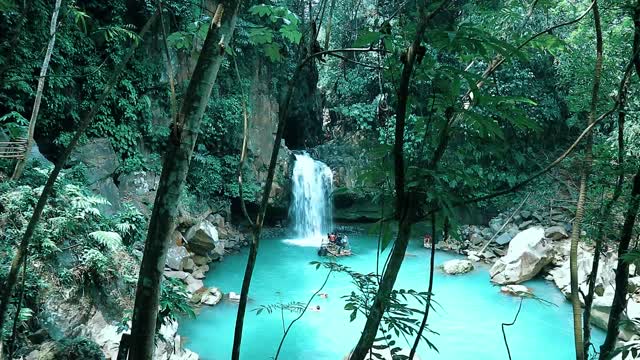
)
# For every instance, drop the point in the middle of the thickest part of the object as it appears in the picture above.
(468, 318)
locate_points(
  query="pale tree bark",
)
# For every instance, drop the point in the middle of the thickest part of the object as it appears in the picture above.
(584, 179)
(17, 172)
(7, 288)
(174, 172)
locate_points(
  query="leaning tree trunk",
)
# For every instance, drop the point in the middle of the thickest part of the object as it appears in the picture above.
(404, 206)
(17, 172)
(19, 257)
(622, 272)
(174, 172)
(584, 179)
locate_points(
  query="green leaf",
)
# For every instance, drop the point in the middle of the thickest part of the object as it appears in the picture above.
(273, 52)
(367, 38)
(111, 240)
(290, 32)
(261, 10)
(259, 36)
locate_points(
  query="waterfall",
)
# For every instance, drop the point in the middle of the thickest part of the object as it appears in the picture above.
(311, 208)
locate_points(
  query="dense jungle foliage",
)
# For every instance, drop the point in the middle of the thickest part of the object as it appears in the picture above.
(484, 94)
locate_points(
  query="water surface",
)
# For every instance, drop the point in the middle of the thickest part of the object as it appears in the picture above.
(468, 318)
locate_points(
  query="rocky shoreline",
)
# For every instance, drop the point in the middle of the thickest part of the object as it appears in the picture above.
(530, 245)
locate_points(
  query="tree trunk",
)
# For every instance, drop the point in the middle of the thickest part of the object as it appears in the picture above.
(19, 257)
(174, 172)
(427, 306)
(404, 206)
(605, 215)
(584, 179)
(622, 272)
(17, 172)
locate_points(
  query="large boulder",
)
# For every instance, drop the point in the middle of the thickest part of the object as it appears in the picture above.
(456, 267)
(562, 276)
(556, 233)
(176, 257)
(528, 253)
(139, 188)
(98, 157)
(202, 238)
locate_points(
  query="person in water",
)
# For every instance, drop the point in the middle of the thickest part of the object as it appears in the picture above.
(315, 308)
(323, 295)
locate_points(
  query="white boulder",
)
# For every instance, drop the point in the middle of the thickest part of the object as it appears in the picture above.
(605, 280)
(456, 267)
(528, 253)
(202, 238)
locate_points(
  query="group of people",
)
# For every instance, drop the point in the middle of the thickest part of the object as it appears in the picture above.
(337, 239)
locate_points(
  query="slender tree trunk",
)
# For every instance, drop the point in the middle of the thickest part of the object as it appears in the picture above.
(17, 172)
(174, 173)
(427, 306)
(404, 207)
(584, 179)
(19, 257)
(605, 215)
(622, 272)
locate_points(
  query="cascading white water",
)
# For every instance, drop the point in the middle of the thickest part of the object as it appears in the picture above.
(311, 209)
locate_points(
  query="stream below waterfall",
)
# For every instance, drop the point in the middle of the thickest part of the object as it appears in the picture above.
(466, 323)
(467, 319)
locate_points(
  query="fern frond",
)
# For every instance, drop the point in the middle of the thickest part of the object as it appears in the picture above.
(111, 240)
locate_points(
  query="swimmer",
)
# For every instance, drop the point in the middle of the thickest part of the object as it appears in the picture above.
(315, 308)
(323, 295)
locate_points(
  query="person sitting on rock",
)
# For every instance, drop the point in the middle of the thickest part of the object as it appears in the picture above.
(332, 237)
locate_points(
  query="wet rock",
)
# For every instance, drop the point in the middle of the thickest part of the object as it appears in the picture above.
(525, 214)
(201, 260)
(487, 233)
(456, 267)
(37, 158)
(528, 253)
(496, 224)
(176, 256)
(525, 225)
(504, 238)
(202, 238)
(476, 239)
(98, 157)
(193, 284)
(562, 278)
(188, 265)
(634, 284)
(516, 290)
(198, 274)
(556, 233)
(211, 297)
